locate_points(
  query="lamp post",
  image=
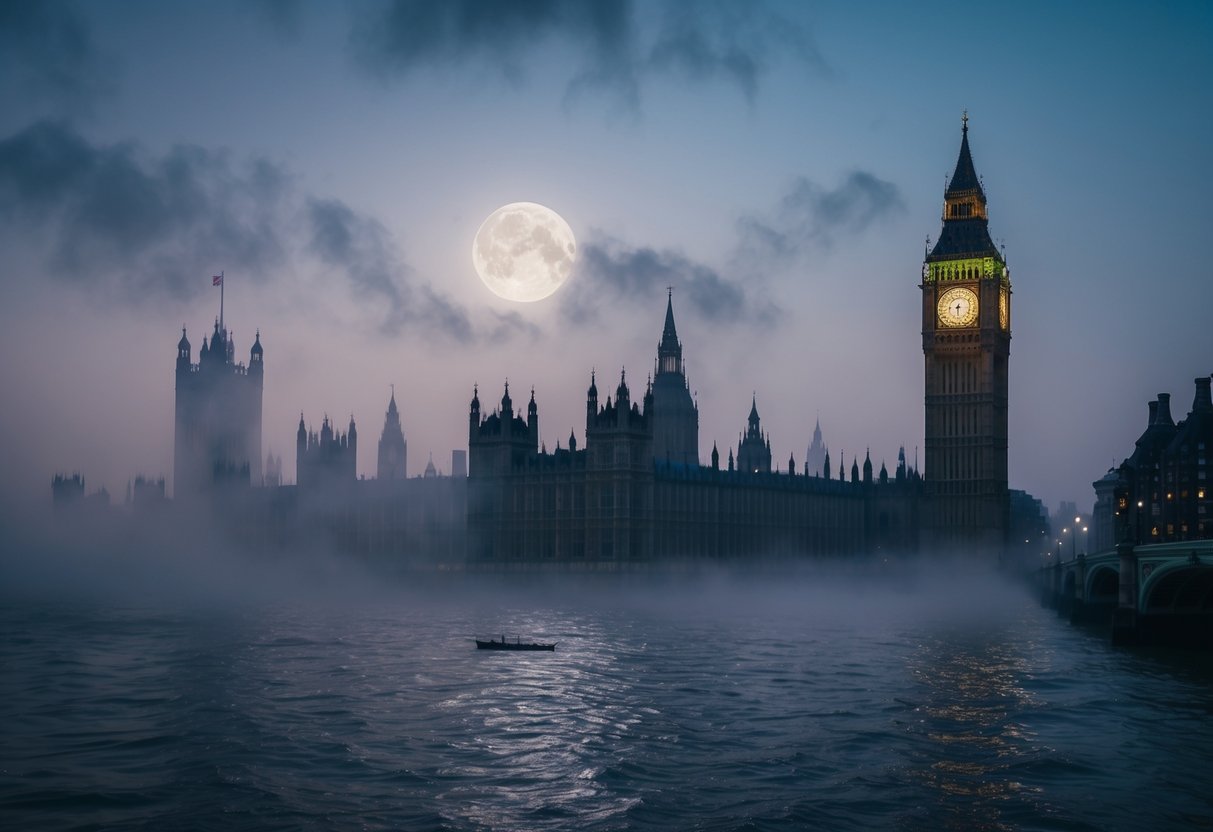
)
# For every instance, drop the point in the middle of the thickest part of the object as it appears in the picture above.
(1085, 541)
(1074, 539)
(1064, 532)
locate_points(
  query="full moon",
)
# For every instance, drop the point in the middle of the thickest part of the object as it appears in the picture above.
(524, 251)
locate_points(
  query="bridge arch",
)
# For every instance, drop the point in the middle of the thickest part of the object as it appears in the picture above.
(1103, 586)
(1181, 588)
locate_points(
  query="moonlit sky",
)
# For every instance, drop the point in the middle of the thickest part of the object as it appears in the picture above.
(779, 164)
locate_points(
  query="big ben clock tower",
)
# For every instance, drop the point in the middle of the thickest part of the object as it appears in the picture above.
(966, 341)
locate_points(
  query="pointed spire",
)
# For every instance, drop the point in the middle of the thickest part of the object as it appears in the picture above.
(964, 178)
(669, 334)
(965, 219)
(669, 351)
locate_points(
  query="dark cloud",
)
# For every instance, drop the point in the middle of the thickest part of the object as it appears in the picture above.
(147, 227)
(810, 216)
(362, 248)
(113, 220)
(47, 47)
(734, 41)
(407, 34)
(616, 49)
(610, 272)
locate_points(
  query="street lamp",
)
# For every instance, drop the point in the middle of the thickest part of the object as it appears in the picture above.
(1065, 532)
(1085, 541)
(1074, 539)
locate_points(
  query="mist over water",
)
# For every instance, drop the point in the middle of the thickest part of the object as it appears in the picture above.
(181, 693)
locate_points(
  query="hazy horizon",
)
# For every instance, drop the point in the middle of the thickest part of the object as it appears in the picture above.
(780, 165)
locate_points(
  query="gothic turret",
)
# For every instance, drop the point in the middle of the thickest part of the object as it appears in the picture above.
(623, 398)
(532, 420)
(675, 415)
(815, 455)
(183, 353)
(393, 449)
(256, 360)
(591, 402)
(754, 450)
(669, 351)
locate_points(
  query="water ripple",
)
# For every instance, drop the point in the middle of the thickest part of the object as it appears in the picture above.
(665, 713)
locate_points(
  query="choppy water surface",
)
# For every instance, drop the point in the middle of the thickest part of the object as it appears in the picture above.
(791, 704)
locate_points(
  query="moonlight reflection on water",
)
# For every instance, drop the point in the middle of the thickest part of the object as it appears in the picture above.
(782, 705)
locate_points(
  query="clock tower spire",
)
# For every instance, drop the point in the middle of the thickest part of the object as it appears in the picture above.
(966, 340)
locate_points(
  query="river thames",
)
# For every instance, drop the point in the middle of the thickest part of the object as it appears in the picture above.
(798, 701)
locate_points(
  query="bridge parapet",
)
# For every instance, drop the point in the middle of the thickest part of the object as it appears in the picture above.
(1149, 590)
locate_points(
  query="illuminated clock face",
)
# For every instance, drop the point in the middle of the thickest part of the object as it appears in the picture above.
(958, 307)
(1004, 309)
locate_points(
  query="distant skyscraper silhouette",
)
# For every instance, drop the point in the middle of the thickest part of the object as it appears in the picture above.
(217, 433)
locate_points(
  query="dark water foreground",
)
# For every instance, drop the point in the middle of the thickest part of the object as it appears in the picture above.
(793, 702)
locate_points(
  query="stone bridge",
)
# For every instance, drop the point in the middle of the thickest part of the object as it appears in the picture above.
(1160, 592)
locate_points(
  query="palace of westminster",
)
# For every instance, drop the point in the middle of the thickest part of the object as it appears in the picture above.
(636, 491)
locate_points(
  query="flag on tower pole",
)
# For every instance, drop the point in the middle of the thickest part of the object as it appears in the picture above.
(217, 280)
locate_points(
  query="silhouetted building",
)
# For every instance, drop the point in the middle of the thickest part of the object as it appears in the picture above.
(1162, 491)
(393, 449)
(67, 493)
(615, 501)
(815, 456)
(325, 460)
(754, 447)
(675, 416)
(146, 494)
(966, 341)
(217, 436)
(273, 471)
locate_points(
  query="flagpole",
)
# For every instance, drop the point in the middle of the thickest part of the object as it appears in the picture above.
(222, 285)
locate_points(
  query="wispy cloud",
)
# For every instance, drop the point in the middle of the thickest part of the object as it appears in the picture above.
(145, 226)
(362, 249)
(618, 48)
(610, 272)
(810, 217)
(807, 220)
(115, 220)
